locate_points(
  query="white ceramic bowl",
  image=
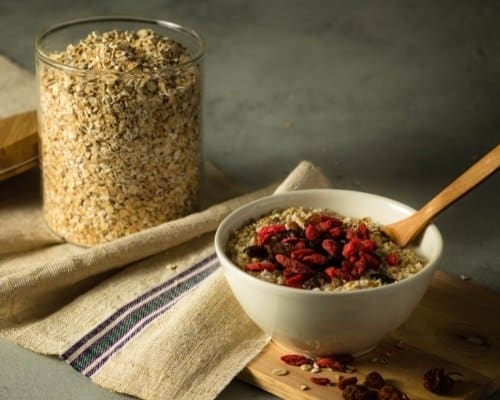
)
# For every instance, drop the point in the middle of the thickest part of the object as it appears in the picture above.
(319, 323)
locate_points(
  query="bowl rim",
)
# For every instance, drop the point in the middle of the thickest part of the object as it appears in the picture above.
(225, 261)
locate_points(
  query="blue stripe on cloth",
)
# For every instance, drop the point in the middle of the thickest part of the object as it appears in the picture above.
(156, 302)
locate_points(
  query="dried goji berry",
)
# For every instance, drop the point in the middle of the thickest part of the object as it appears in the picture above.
(332, 247)
(392, 259)
(330, 362)
(301, 253)
(295, 280)
(344, 382)
(311, 232)
(328, 224)
(321, 380)
(300, 245)
(292, 265)
(295, 360)
(267, 231)
(315, 258)
(336, 232)
(359, 267)
(373, 260)
(362, 231)
(331, 272)
(352, 247)
(369, 245)
(261, 266)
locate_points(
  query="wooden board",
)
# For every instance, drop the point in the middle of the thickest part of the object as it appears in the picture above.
(456, 327)
(18, 144)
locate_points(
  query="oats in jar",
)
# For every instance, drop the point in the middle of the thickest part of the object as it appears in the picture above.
(319, 250)
(120, 134)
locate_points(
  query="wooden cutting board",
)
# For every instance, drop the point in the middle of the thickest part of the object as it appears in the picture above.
(18, 144)
(456, 327)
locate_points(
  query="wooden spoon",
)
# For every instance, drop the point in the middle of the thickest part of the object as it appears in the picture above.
(404, 231)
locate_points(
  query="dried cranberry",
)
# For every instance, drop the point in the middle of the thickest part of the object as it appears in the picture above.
(390, 392)
(374, 380)
(436, 380)
(344, 382)
(359, 392)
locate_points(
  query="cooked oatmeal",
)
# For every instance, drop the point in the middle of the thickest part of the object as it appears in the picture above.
(319, 250)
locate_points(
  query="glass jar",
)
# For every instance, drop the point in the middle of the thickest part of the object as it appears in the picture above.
(119, 125)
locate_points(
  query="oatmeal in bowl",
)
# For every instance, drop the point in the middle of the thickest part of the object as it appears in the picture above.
(318, 249)
(313, 270)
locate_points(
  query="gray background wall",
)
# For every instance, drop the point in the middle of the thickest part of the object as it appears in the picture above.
(391, 97)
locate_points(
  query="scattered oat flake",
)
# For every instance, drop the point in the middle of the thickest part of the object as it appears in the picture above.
(315, 370)
(306, 367)
(464, 277)
(280, 372)
(303, 387)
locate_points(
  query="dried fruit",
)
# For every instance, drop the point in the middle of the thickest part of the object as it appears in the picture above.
(374, 380)
(261, 266)
(295, 280)
(256, 251)
(295, 360)
(266, 232)
(392, 259)
(383, 277)
(321, 380)
(344, 382)
(359, 392)
(311, 232)
(330, 362)
(293, 266)
(390, 392)
(326, 254)
(436, 380)
(299, 254)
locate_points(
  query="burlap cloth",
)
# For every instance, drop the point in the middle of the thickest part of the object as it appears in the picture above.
(150, 314)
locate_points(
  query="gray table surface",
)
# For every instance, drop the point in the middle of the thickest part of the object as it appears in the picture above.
(391, 97)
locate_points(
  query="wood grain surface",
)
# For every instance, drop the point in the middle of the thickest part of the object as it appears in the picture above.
(18, 144)
(456, 327)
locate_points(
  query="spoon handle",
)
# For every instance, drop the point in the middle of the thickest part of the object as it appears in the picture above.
(403, 232)
(460, 186)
